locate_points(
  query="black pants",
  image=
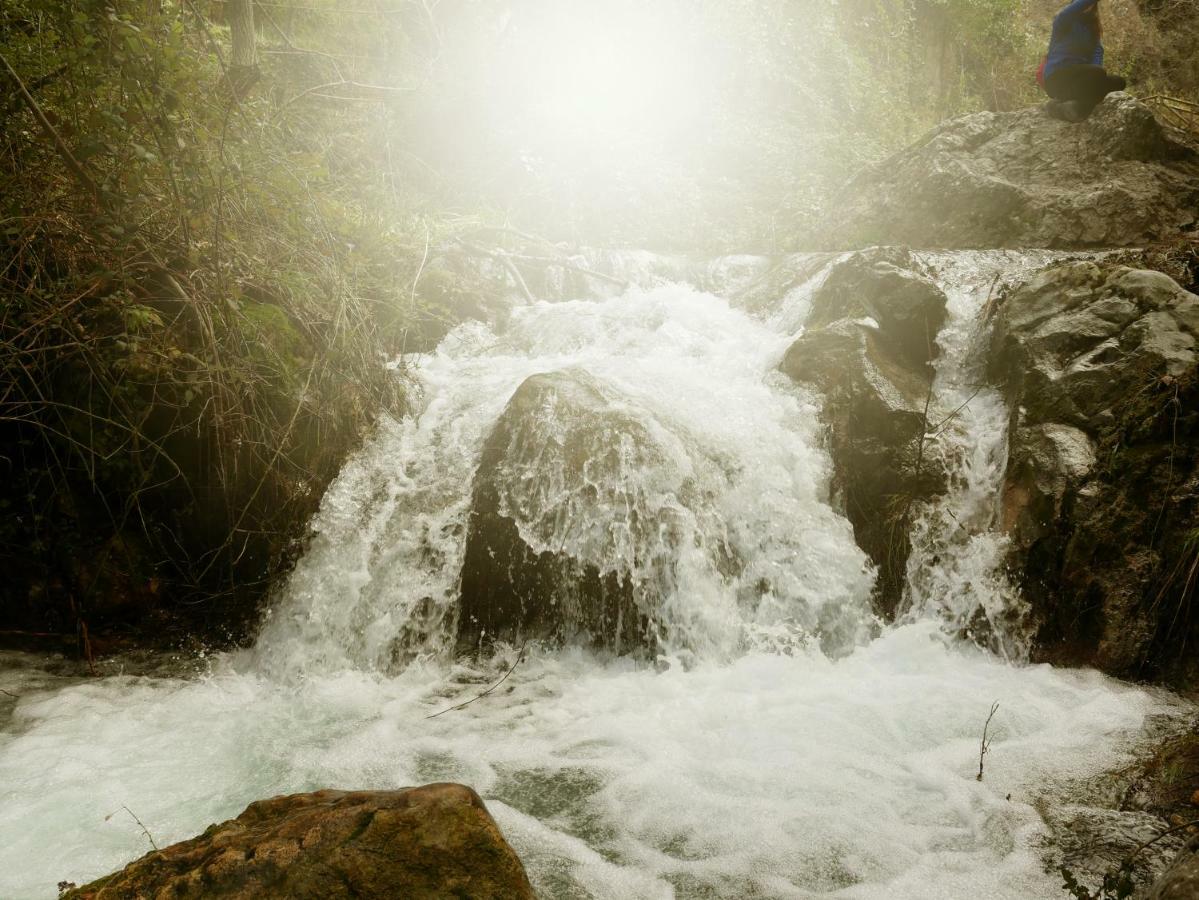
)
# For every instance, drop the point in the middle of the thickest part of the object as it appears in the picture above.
(1086, 85)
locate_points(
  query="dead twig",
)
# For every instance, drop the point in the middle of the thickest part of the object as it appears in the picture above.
(520, 657)
(985, 746)
(145, 830)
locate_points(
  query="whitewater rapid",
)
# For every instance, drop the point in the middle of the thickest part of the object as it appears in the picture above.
(746, 760)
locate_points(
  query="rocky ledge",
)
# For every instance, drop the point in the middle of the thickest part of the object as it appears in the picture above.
(1022, 179)
(424, 843)
(1101, 367)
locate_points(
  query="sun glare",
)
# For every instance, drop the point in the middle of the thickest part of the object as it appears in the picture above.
(597, 82)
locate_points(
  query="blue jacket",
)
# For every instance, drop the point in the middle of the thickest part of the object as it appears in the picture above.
(1074, 40)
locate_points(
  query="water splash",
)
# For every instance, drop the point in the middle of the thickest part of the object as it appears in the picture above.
(956, 571)
(745, 763)
(740, 476)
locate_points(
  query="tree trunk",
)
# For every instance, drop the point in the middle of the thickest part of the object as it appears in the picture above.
(241, 24)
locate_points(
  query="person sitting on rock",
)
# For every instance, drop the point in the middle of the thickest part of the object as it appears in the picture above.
(1072, 73)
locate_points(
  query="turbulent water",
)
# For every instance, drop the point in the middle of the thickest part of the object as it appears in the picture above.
(783, 744)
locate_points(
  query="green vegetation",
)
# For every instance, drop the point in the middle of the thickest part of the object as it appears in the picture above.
(198, 290)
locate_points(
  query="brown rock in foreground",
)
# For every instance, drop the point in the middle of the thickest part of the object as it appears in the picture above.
(420, 843)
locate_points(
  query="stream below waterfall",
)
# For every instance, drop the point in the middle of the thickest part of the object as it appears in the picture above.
(754, 757)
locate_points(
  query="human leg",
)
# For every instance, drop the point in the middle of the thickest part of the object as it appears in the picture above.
(1083, 86)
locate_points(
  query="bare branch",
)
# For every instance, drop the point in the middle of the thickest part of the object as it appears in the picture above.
(985, 746)
(520, 657)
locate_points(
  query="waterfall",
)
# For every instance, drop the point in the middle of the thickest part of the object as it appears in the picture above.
(776, 741)
(756, 551)
(955, 573)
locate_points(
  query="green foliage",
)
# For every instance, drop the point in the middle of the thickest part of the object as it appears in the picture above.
(190, 351)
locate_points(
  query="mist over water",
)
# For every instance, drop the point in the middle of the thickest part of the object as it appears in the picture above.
(783, 744)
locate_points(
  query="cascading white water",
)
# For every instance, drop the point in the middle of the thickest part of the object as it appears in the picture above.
(740, 471)
(956, 572)
(745, 762)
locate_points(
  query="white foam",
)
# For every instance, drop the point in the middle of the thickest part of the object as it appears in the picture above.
(745, 763)
(743, 472)
(956, 570)
(787, 775)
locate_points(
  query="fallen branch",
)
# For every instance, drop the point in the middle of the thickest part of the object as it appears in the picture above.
(509, 260)
(520, 657)
(573, 267)
(985, 747)
(504, 259)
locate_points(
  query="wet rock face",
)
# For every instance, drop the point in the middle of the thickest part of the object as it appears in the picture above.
(1181, 880)
(421, 843)
(1101, 495)
(556, 501)
(867, 349)
(1022, 179)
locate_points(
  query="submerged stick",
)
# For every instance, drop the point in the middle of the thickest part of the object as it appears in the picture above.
(520, 657)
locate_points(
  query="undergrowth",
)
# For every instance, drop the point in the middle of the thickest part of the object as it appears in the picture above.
(199, 288)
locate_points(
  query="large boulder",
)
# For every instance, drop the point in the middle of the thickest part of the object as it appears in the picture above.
(560, 520)
(1101, 496)
(1023, 179)
(423, 843)
(867, 349)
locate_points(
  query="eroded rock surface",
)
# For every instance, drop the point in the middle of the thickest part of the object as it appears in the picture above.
(424, 843)
(867, 348)
(1102, 490)
(1022, 179)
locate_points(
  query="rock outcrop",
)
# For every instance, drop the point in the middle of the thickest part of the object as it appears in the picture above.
(867, 348)
(423, 843)
(1022, 179)
(559, 519)
(1101, 496)
(1181, 880)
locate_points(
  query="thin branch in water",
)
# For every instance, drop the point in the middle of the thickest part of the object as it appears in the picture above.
(9, 694)
(1169, 831)
(944, 423)
(520, 657)
(985, 746)
(145, 830)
